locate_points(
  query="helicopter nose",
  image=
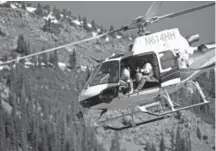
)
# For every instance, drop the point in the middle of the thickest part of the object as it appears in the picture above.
(84, 103)
(87, 103)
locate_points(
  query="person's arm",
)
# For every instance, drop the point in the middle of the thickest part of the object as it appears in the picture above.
(141, 84)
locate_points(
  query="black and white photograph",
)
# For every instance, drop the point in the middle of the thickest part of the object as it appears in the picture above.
(107, 75)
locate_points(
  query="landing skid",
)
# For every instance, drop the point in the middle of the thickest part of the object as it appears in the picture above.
(176, 110)
(137, 124)
(158, 116)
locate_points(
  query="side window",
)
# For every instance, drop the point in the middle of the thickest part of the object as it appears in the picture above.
(167, 59)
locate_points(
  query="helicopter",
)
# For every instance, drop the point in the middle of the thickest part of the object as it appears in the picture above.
(175, 64)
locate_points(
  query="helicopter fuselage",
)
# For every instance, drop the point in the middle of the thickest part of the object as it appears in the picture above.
(102, 88)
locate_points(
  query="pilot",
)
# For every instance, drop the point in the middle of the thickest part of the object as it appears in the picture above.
(144, 74)
(126, 83)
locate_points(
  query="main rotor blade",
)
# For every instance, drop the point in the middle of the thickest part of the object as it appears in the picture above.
(55, 48)
(153, 9)
(186, 11)
(97, 60)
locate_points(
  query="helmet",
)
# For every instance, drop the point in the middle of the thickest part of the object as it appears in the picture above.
(125, 73)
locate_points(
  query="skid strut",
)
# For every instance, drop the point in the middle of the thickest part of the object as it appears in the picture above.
(196, 84)
(173, 110)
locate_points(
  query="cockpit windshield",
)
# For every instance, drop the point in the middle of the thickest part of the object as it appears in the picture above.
(107, 72)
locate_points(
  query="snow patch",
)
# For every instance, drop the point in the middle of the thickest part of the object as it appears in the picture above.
(52, 18)
(62, 66)
(94, 34)
(4, 66)
(28, 64)
(107, 39)
(55, 21)
(98, 30)
(13, 6)
(89, 25)
(118, 36)
(130, 38)
(69, 49)
(2, 2)
(49, 16)
(77, 22)
(30, 9)
(83, 68)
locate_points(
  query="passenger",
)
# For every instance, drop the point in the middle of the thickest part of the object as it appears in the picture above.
(144, 74)
(126, 83)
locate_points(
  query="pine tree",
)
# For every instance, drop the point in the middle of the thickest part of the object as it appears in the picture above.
(72, 60)
(44, 57)
(45, 60)
(57, 136)
(153, 147)
(189, 147)
(47, 7)
(88, 73)
(34, 61)
(79, 18)
(111, 29)
(56, 13)
(212, 77)
(148, 146)
(162, 144)
(24, 129)
(28, 48)
(172, 135)
(5, 57)
(63, 132)
(178, 140)
(21, 46)
(23, 5)
(93, 25)
(51, 59)
(198, 133)
(43, 145)
(69, 13)
(55, 58)
(15, 121)
(101, 29)
(39, 10)
(64, 12)
(47, 26)
(85, 26)
(2, 131)
(36, 131)
(115, 144)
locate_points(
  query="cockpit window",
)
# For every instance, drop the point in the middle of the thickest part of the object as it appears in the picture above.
(107, 72)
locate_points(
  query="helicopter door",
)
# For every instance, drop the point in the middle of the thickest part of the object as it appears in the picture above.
(169, 69)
